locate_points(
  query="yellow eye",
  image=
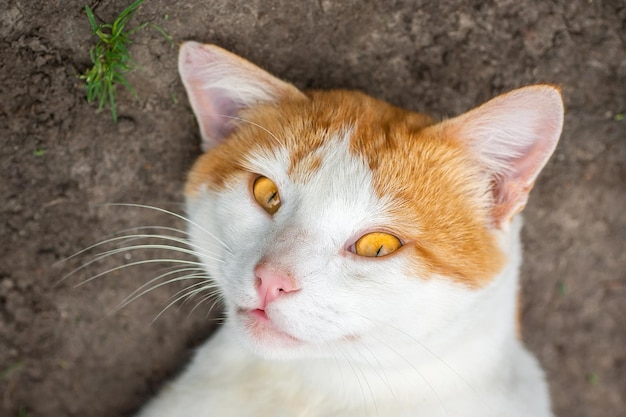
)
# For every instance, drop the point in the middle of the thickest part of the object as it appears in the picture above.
(266, 194)
(376, 244)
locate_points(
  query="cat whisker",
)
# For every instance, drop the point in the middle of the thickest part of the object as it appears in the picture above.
(112, 252)
(219, 320)
(139, 293)
(142, 262)
(192, 296)
(179, 249)
(192, 249)
(176, 215)
(379, 369)
(201, 286)
(331, 348)
(198, 303)
(200, 249)
(431, 352)
(121, 237)
(272, 135)
(177, 299)
(348, 358)
(217, 299)
(215, 295)
(431, 387)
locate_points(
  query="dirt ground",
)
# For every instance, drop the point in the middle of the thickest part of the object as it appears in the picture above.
(64, 351)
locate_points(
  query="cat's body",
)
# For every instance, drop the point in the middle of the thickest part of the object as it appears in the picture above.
(367, 256)
(225, 380)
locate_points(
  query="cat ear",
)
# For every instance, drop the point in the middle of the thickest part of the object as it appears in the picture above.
(514, 135)
(220, 84)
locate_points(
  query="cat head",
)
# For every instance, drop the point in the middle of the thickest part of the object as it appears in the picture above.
(325, 217)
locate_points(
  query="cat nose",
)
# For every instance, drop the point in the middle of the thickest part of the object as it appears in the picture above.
(272, 283)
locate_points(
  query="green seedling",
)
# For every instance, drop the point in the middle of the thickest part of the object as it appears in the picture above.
(593, 378)
(110, 57)
(21, 412)
(11, 369)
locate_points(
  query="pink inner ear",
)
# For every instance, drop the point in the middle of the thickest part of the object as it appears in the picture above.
(199, 66)
(218, 113)
(514, 136)
(220, 84)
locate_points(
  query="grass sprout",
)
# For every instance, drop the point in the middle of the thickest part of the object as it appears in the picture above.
(110, 56)
(11, 369)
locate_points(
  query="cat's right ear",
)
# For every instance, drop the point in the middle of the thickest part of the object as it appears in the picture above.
(513, 135)
(220, 84)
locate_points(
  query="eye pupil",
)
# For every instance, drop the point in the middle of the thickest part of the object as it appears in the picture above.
(266, 194)
(376, 244)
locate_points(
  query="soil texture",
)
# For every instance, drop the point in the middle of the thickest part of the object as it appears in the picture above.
(66, 351)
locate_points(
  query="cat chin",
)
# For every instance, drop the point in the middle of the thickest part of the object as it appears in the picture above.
(261, 328)
(262, 337)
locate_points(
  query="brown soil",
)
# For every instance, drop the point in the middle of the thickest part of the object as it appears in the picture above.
(63, 354)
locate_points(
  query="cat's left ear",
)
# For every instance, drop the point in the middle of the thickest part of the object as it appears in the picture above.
(513, 135)
(220, 85)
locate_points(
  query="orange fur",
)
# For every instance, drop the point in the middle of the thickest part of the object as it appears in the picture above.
(441, 201)
(440, 198)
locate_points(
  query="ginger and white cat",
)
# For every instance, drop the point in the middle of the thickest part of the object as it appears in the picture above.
(367, 256)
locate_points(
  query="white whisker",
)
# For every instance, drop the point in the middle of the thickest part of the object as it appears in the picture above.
(430, 386)
(193, 290)
(113, 252)
(348, 361)
(343, 381)
(129, 238)
(253, 124)
(179, 249)
(206, 285)
(146, 261)
(112, 239)
(178, 216)
(208, 297)
(384, 379)
(215, 301)
(176, 271)
(430, 351)
(175, 301)
(129, 299)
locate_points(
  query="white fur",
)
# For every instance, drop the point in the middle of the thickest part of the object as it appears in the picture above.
(374, 340)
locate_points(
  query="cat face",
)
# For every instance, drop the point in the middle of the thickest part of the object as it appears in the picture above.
(331, 218)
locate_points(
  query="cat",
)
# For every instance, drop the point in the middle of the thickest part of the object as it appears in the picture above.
(367, 256)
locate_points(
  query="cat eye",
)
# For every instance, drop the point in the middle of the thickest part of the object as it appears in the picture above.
(266, 194)
(376, 244)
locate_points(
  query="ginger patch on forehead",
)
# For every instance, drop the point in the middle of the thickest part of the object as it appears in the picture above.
(439, 197)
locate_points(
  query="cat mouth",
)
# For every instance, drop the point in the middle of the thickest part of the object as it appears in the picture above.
(261, 327)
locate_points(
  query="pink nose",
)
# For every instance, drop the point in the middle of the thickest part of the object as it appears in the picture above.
(272, 283)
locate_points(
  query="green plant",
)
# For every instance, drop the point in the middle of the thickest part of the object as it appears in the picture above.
(110, 57)
(11, 369)
(21, 412)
